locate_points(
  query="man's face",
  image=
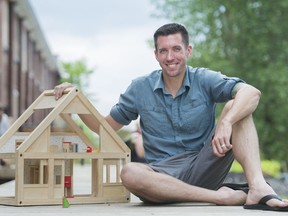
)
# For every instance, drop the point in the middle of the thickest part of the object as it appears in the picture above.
(172, 54)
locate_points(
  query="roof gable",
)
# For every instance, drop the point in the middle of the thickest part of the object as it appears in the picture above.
(72, 102)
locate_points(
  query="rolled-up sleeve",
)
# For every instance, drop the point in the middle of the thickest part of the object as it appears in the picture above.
(219, 85)
(126, 109)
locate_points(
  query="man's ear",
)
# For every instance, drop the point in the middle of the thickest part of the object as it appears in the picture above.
(156, 56)
(189, 51)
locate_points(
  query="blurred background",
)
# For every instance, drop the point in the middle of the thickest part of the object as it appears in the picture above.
(100, 46)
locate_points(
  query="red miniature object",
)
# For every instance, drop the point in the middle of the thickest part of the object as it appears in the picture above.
(67, 182)
(89, 149)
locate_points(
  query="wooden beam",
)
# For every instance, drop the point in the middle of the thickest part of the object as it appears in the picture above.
(78, 130)
(48, 120)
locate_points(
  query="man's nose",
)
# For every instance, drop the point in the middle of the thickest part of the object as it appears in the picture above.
(170, 55)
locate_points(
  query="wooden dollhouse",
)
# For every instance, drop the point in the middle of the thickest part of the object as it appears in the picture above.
(44, 159)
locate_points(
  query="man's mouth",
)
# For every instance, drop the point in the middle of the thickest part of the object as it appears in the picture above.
(172, 65)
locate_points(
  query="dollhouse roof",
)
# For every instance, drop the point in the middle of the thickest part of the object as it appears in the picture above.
(72, 102)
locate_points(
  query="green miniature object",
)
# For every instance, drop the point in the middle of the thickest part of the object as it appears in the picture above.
(65, 203)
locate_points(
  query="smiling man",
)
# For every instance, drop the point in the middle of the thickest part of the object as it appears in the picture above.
(188, 154)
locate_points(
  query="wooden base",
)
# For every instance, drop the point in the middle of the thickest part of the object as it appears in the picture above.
(11, 201)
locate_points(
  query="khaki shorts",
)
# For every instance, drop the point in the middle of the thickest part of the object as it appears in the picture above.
(201, 169)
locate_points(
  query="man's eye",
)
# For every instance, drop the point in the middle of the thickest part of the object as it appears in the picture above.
(162, 51)
(177, 49)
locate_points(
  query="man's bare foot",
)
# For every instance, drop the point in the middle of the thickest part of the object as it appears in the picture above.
(228, 196)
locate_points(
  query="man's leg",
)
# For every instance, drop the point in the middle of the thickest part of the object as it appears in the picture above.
(156, 187)
(246, 151)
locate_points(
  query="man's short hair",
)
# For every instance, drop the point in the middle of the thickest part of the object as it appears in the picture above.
(172, 28)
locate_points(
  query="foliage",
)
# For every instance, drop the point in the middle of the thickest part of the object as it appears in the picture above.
(247, 39)
(77, 73)
(269, 168)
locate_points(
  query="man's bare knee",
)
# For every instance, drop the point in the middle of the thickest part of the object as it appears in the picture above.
(132, 173)
(127, 172)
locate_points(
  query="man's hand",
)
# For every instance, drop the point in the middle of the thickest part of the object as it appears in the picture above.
(221, 140)
(59, 89)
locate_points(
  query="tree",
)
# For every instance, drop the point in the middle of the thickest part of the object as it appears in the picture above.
(78, 74)
(247, 39)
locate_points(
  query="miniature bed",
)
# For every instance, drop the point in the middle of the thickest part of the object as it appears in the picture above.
(44, 159)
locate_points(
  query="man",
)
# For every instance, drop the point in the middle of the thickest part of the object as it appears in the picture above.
(188, 157)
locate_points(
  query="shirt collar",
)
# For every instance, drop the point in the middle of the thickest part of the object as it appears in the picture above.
(159, 84)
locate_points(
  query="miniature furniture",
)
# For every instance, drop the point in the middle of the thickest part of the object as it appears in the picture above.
(44, 159)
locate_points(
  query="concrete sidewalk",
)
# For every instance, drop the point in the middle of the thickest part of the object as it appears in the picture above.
(135, 207)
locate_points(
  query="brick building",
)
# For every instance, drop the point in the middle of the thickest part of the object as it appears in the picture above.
(27, 66)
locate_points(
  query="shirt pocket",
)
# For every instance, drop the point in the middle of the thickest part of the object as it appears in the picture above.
(156, 120)
(195, 117)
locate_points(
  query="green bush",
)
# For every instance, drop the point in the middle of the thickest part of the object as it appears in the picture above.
(269, 168)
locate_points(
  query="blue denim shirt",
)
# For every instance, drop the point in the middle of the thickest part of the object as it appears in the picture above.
(174, 125)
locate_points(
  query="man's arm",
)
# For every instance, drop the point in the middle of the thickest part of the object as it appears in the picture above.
(88, 119)
(93, 124)
(246, 99)
(245, 102)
